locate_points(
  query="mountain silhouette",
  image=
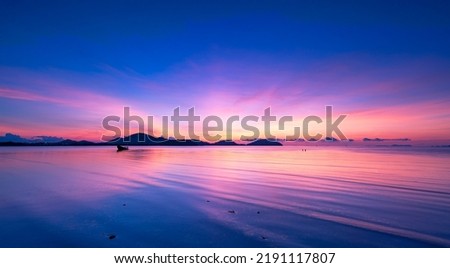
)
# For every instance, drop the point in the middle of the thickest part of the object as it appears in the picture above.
(226, 143)
(264, 142)
(12, 138)
(137, 139)
(145, 139)
(72, 142)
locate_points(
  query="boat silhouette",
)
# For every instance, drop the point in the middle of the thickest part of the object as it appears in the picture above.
(121, 148)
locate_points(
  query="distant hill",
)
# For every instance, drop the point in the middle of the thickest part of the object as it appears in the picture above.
(9, 137)
(138, 139)
(378, 139)
(226, 143)
(72, 142)
(145, 139)
(264, 142)
(61, 143)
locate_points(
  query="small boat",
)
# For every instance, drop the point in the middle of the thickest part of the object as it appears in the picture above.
(121, 148)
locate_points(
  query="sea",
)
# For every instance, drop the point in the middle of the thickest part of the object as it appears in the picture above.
(230, 196)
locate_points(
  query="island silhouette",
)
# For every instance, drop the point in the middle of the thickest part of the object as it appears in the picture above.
(137, 139)
(143, 139)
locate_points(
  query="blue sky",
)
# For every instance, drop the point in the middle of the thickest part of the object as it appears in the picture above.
(295, 56)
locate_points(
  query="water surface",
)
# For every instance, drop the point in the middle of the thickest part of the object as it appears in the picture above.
(224, 197)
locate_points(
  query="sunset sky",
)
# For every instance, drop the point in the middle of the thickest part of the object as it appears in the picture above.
(65, 65)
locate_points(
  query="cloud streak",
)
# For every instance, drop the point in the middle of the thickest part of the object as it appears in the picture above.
(378, 99)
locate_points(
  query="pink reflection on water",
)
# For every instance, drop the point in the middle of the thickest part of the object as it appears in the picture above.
(259, 192)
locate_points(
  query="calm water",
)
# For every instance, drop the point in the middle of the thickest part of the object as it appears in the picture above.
(224, 197)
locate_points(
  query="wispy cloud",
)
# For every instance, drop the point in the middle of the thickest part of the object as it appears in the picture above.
(390, 97)
(28, 96)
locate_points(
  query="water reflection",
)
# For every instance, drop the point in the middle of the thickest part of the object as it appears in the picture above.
(182, 197)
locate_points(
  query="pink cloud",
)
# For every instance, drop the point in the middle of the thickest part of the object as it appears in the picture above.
(28, 96)
(392, 100)
(420, 120)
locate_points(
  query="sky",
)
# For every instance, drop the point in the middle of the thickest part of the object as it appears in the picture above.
(66, 65)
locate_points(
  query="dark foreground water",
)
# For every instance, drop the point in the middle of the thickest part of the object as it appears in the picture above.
(224, 197)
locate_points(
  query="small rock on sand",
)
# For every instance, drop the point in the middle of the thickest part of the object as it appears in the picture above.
(111, 236)
(231, 211)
